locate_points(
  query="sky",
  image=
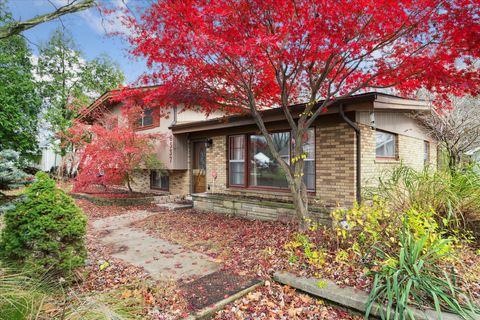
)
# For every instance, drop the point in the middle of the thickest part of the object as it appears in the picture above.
(88, 29)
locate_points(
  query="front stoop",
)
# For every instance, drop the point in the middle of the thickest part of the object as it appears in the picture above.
(350, 297)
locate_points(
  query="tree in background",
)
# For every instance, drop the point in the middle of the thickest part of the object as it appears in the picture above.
(262, 54)
(67, 81)
(109, 154)
(11, 175)
(457, 129)
(19, 100)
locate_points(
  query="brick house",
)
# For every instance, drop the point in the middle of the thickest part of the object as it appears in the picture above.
(224, 163)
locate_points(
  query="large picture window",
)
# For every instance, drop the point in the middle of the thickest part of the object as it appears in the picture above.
(265, 171)
(252, 165)
(385, 144)
(309, 162)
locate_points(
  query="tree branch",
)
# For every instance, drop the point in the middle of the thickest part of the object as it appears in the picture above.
(18, 27)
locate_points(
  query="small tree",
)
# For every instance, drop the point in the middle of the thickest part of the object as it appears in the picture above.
(11, 176)
(109, 154)
(457, 129)
(45, 230)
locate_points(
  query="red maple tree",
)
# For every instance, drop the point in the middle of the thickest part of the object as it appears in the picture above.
(258, 54)
(108, 154)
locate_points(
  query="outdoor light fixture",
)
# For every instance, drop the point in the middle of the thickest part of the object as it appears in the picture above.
(372, 119)
(209, 143)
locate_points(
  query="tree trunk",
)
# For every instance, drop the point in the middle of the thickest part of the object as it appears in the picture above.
(130, 190)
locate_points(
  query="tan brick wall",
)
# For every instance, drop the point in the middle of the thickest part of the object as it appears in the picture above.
(335, 164)
(410, 152)
(216, 160)
(180, 182)
(335, 169)
(141, 181)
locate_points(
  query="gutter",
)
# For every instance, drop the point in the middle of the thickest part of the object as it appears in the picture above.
(359, 153)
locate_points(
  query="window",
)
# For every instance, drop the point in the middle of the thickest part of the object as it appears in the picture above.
(237, 160)
(146, 119)
(426, 153)
(251, 163)
(159, 180)
(385, 144)
(264, 170)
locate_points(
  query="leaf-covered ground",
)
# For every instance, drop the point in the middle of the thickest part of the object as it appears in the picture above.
(245, 247)
(250, 247)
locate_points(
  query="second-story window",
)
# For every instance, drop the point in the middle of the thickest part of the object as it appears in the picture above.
(146, 118)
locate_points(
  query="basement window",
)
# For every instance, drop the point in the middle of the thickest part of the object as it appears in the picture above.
(159, 180)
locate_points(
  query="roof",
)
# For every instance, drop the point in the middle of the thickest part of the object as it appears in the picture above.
(104, 99)
(380, 101)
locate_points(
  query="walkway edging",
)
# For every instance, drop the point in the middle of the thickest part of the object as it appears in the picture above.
(349, 297)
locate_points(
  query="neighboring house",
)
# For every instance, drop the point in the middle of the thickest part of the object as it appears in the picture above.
(225, 159)
(49, 160)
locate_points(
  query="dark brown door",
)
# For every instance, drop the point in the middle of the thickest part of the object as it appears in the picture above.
(199, 167)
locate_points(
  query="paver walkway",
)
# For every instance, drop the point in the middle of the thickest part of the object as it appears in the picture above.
(161, 258)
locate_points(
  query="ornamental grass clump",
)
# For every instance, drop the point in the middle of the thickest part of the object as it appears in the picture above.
(45, 231)
(417, 275)
(453, 196)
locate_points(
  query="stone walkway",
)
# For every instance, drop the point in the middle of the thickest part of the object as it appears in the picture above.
(161, 258)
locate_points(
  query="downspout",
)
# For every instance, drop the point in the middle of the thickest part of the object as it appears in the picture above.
(359, 153)
(174, 122)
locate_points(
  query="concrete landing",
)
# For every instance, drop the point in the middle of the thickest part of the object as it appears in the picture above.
(161, 258)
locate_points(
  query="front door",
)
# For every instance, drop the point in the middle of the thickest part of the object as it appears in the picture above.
(199, 167)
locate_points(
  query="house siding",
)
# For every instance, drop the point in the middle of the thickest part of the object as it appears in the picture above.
(410, 152)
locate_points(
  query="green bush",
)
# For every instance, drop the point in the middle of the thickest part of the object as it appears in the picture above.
(415, 275)
(454, 197)
(45, 230)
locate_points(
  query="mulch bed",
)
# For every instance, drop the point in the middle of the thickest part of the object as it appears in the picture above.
(215, 287)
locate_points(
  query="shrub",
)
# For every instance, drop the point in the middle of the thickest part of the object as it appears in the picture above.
(45, 230)
(454, 197)
(414, 274)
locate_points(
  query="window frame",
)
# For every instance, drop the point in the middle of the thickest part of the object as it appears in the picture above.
(155, 120)
(229, 160)
(167, 188)
(247, 165)
(395, 146)
(426, 152)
